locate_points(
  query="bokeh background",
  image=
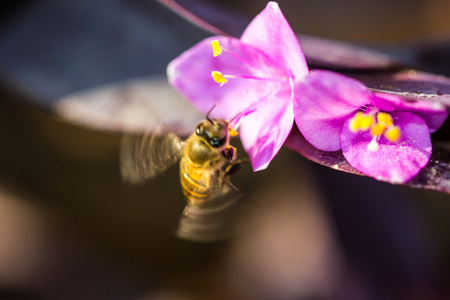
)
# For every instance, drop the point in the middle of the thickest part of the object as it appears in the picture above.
(70, 229)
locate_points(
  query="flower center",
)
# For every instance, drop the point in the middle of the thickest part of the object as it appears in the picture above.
(223, 78)
(379, 123)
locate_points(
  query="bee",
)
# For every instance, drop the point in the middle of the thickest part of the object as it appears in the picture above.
(207, 160)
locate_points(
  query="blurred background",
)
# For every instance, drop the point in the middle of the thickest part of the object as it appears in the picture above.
(369, 21)
(72, 74)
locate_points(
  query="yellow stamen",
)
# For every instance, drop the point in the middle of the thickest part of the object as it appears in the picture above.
(218, 77)
(393, 133)
(354, 122)
(377, 129)
(360, 122)
(382, 125)
(385, 118)
(217, 50)
(366, 122)
(232, 132)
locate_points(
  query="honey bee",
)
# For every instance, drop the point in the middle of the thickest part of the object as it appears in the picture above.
(207, 161)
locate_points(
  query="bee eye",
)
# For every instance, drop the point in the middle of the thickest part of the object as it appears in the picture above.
(215, 142)
(199, 130)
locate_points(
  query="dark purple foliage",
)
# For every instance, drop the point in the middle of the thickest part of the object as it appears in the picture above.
(435, 176)
(410, 84)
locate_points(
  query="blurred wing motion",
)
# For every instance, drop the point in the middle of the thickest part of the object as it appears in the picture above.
(214, 219)
(144, 157)
(213, 202)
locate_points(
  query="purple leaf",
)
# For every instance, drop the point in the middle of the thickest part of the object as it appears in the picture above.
(211, 17)
(410, 84)
(435, 176)
(131, 107)
(335, 160)
(337, 55)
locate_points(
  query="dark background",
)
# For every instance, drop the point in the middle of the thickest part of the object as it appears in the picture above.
(69, 228)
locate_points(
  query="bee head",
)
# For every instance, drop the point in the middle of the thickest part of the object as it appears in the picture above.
(213, 131)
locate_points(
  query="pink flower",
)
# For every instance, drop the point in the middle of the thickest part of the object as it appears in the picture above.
(253, 76)
(263, 76)
(381, 135)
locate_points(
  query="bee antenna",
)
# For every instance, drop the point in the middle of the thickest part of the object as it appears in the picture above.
(207, 115)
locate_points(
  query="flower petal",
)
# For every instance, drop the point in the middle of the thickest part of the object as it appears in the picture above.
(433, 113)
(270, 32)
(434, 120)
(264, 131)
(323, 102)
(190, 74)
(392, 162)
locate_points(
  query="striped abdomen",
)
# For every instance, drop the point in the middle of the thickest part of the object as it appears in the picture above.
(200, 170)
(198, 183)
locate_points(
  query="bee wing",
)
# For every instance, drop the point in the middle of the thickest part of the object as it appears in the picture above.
(215, 219)
(144, 157)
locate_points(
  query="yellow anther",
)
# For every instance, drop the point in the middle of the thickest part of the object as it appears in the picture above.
(365, 122)
(393, 133)
(385, 118)
(218, 77)
(232, 132)
(353, 125)
(377, 129)
(360, 122)
(354, 122)
(217, 50)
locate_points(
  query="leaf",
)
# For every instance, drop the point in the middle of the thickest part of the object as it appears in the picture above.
(410, 84)
(211, 17)
(136, 106)
(335, 160)
(435, 176)
(338, 55)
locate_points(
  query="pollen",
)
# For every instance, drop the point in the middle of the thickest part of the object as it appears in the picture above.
(377, 129)
(379, 124)
(232, 132)
(217, 50)
(365, 122)
(361, 122)
(393, 133)
(218, 77)
(385, 119)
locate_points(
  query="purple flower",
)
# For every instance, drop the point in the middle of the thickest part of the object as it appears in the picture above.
(253, 76)
(381, 135)
(263, 77)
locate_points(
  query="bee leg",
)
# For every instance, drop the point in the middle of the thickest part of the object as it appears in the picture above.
(235, 166)
(229, 153)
